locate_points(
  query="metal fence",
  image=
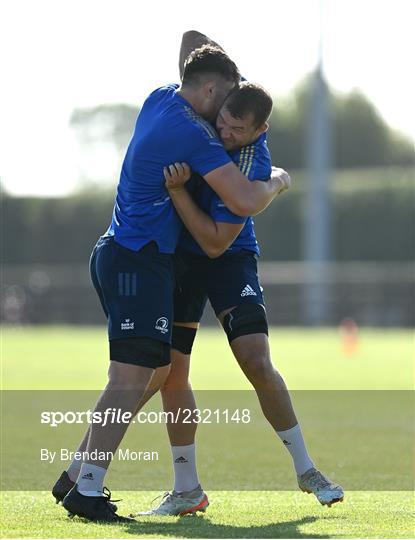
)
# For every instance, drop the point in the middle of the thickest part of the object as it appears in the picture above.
(373, 294)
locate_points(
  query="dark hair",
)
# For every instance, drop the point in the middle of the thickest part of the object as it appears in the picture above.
(209, 59)
(250, 98)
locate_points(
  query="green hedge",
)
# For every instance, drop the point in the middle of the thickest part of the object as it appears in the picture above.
(372, 218)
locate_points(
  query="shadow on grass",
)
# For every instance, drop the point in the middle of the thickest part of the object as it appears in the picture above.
(202, 527)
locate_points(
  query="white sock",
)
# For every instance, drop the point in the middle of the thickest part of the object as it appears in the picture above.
(293, 441)
(184, 463)
(74, 469)
(91, 480)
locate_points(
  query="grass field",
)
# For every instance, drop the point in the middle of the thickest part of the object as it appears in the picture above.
(67, 358)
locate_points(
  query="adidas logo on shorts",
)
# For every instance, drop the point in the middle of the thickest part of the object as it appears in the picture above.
(248, 291)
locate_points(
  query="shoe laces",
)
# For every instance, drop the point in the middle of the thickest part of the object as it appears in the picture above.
(165, 496)
(107, 494)
(320, 481)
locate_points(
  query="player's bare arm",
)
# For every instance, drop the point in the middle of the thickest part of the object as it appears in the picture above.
(192, 40)
(212, 236)
(240, 195)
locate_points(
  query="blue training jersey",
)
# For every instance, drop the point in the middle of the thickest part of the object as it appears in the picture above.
(254, 161)
(167, 130)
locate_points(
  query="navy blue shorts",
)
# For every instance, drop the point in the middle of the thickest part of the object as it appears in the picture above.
(135, 289)
(227, 281)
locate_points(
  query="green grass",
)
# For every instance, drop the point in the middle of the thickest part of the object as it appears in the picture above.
(64, 358)
(230, 515)
(70, 358)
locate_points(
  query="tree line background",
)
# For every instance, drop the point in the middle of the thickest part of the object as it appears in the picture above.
(372, 187)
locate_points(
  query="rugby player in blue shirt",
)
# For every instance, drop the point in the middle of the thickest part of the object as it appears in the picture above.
(218, 251)
(132, 267)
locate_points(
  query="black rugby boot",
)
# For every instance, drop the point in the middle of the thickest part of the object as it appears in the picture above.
(92, 508)
(64, 485)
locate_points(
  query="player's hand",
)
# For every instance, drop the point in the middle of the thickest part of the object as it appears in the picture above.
(176, 176)
(282, 179)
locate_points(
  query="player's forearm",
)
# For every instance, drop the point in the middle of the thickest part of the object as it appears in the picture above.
(265, 192)
(240, 195)
(249, 197)
(192, 40)
(198, 223)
